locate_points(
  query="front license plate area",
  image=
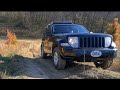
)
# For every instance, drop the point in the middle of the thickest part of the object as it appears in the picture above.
(96, 53)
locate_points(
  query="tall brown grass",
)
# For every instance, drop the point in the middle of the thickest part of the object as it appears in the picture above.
(9, 46)
(11, 38)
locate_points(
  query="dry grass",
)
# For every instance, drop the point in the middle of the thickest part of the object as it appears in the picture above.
(11, 38)
(25, 48)
(28, 48)
(6, 50)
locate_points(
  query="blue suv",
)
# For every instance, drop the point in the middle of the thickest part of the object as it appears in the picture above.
(67, 42)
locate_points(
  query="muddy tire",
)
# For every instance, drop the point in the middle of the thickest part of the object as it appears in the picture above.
(104, 64)
(43, 54)
(58, 62)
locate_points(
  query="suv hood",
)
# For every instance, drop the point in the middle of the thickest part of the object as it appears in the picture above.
(81, 34)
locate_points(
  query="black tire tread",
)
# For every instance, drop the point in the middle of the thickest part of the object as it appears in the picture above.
(61, 63)
(105, 64)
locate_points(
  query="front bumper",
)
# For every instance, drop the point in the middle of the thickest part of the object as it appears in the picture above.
(84, 55)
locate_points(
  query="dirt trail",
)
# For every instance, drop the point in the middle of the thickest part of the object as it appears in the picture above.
(33, 70)
(44, 69)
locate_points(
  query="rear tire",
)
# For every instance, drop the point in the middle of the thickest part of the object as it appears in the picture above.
(58, 62)
(43, 54)
(104, 64)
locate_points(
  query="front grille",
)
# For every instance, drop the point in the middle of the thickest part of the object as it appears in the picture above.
(92, 42)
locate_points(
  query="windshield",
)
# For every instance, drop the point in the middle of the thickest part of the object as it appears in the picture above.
(58, 29)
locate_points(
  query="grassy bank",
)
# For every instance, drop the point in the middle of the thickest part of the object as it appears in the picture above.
(7, 67)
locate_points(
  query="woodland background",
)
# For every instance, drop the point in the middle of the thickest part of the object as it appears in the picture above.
(32, 24)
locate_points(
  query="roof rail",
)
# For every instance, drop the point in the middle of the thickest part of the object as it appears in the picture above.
(62, 22)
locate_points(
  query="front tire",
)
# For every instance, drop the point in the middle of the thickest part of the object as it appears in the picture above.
(59, 63)
(104, 64)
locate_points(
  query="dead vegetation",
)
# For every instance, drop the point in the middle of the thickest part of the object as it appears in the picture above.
(11, 38)
(114, 30)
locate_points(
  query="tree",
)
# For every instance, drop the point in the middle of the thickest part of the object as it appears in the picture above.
(114, 29)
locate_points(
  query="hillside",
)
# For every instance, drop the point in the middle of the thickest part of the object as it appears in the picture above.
(32, 24)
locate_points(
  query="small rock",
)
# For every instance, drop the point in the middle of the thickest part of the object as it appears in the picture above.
(1, 61)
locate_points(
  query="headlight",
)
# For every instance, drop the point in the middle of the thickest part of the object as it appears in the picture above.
(113, 44)
(108, 41)
(73, 41)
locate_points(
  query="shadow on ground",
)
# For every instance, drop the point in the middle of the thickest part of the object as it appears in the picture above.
(44, 69)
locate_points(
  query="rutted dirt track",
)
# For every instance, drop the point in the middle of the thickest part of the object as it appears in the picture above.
(44, 69)
(33, 67)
